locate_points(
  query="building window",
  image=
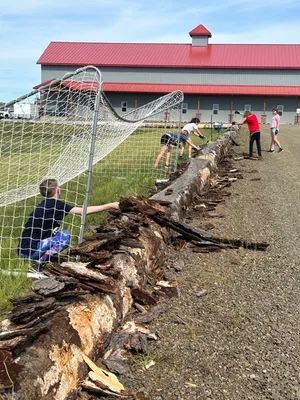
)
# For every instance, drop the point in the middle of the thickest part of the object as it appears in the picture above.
(215, 108)
(280, 109)
(247, 107)
(124, 106)
(184, 108)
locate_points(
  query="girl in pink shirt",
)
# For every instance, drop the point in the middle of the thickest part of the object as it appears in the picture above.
(275, 121)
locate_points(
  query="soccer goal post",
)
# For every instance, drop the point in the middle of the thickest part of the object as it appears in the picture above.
(68, 130)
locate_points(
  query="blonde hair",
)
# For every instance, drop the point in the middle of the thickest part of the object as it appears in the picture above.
(247, 114)
(48, 187)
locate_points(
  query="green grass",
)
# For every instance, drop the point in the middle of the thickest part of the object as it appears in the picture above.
(10, 287)
(126, 170)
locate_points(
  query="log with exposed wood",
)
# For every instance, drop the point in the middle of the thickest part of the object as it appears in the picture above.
(82, 301)
(88, 300)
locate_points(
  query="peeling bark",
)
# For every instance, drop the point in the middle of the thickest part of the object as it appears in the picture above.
(80, 303)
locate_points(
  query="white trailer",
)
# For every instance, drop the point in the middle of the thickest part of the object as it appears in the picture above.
(6, 114)
(26, 110)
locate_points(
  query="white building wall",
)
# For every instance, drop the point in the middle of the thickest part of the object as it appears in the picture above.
(201, 104)
(190, 76)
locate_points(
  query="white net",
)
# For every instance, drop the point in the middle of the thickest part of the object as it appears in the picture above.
(139, 151)
(60, 130)
(53, 136)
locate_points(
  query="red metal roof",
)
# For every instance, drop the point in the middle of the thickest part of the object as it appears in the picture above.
(186, 89)
(200, 30)
(203, 89)
(250, 56)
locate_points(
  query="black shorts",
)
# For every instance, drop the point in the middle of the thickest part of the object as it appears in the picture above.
(165, 140)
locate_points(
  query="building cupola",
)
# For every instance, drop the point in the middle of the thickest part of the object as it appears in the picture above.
(200, 36)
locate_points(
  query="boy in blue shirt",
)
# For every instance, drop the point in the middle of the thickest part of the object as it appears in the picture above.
(41, 237)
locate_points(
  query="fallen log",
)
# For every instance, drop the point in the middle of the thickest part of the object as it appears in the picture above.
(81, 302)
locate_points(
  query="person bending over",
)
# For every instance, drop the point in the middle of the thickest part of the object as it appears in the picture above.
(169, 139)
(41, 237)
(191, 127)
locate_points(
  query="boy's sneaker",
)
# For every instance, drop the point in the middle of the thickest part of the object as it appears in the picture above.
(271, 151)
(35, 271)
(280, 150)
(36, 275)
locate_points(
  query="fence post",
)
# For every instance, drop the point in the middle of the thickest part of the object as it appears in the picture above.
(90, 163)
(177, 147)
(263, 118)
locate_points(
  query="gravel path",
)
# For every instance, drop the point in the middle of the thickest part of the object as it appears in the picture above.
(240, 339)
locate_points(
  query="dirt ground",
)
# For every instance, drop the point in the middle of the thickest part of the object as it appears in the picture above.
(234, 331)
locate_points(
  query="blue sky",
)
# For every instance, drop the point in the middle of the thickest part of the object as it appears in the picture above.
(27, 27)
